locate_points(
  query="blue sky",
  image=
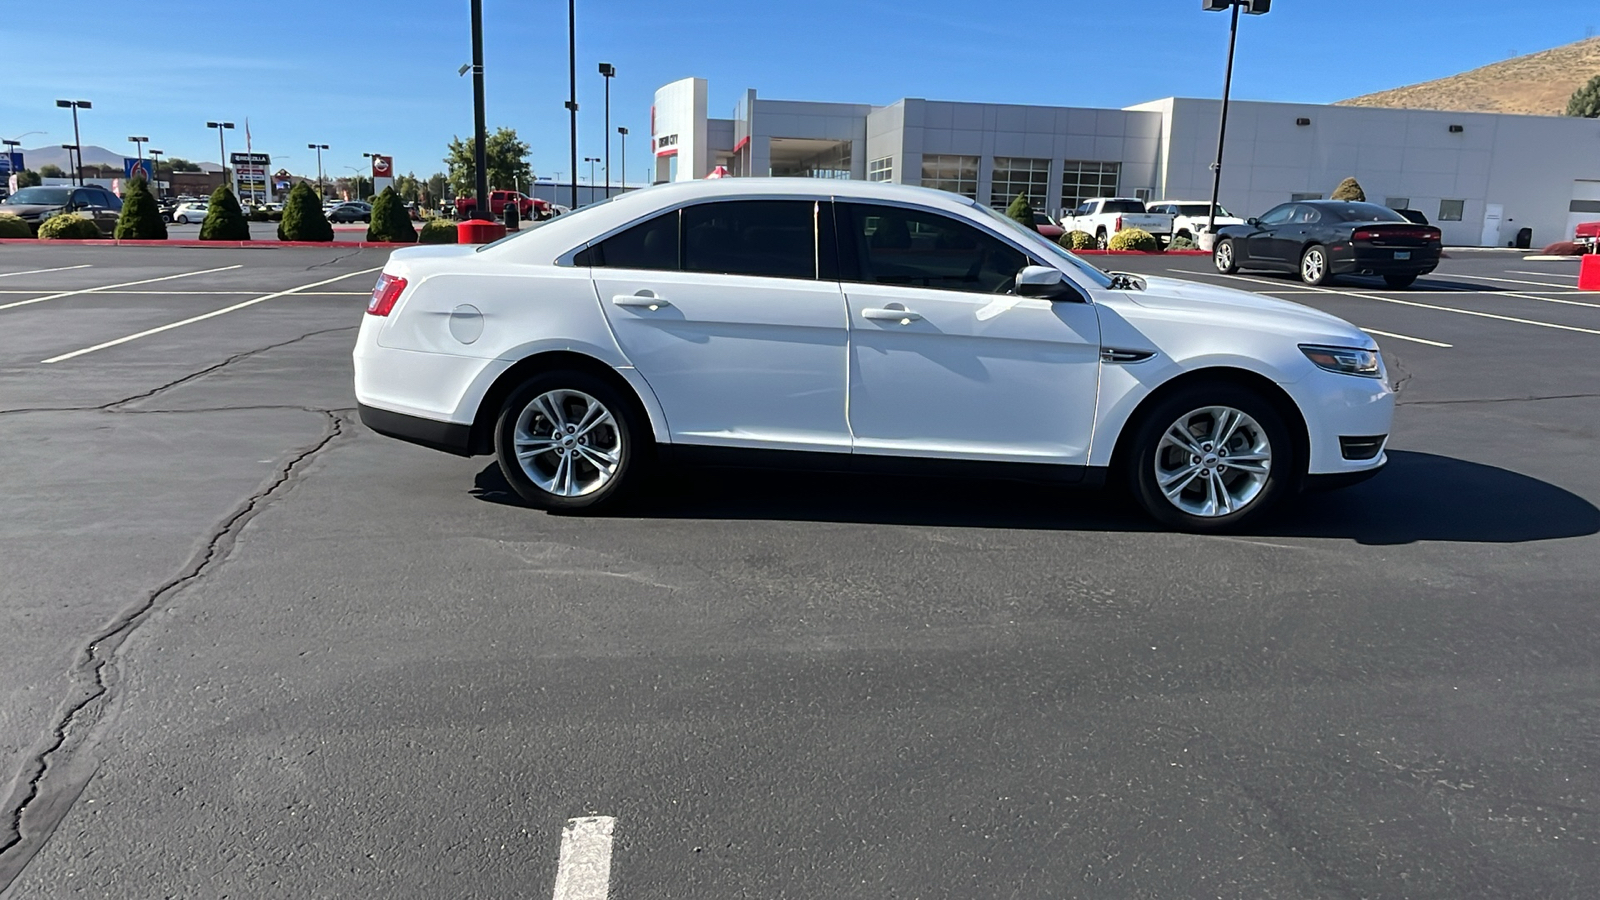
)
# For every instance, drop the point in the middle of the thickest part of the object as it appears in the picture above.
(364, 75)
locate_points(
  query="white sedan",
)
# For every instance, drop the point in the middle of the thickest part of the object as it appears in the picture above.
(187, 213)
(868, 326)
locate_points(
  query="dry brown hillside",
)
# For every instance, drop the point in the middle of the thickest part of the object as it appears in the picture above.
(1537, 84)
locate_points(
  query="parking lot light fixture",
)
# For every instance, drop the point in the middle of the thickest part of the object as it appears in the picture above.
(155, 164)
(1254, 8)
(319, 148)
(591, 160)
(572, 86)
(222, 148)
(138, 146)
(77, 139)
(608, 71)
(623, 130)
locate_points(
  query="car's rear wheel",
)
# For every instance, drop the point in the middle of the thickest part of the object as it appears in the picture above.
(1100, 239)
(183, 220)
(1211, 457)
(568, 440)
(1314, 265)
(1223, 257)
(1400, 281)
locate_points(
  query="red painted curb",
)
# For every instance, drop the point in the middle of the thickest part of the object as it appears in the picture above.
(1142, 252)
(226, 245)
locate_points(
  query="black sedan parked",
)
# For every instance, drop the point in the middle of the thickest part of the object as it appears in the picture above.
(1323, 238)
(351, 211)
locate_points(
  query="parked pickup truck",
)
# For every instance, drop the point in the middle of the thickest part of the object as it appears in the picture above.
(1103, 217)
(1588, 236)
(1189, 217)
(528, 208)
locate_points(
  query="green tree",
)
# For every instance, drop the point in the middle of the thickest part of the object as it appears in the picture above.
(28, 178)
(390, 221)
(51, 170)
(302, 217)
(179, 164)
(224, 218)
(1585, 101)
(141, 217)
(1349, 189)
(1021, 210)
(408, 187)
(436, 188)
(508, 164)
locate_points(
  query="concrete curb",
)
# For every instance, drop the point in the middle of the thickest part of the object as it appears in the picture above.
(225, 245)
(1141, 252)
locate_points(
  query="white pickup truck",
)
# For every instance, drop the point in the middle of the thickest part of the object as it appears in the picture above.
(1103, 217)
(1190, 217)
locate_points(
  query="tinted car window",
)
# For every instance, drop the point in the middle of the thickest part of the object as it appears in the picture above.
(769, 238)
(1363, 212)
(915, 248)
(1123, 206)
(43, 196)
(649, 245)
(1307, 215)
(1278, 214)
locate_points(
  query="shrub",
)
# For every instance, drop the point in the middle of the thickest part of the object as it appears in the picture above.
(302, 217)
(69, 227)
(1182, 242)
(13, 227)
(141, 216)
(1349, 189)
(390, 221)
(1078, 240)
(1133, 239)
(1585, 101)
(257, 214)
(1563, 248)
(1021, 210)
(224, 218)
(437, 231)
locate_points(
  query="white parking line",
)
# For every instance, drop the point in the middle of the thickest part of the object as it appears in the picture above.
(1548, 284)
(107, 287)
(210, 315)
(1404, 337)
(42, 271)
(1541, 274)
(1545, 299)
(584, 872)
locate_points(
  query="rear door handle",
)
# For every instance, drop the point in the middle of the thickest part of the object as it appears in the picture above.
(643, 299)
(903, 316)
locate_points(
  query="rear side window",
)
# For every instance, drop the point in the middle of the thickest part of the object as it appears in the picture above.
(652, 244)
(767, 238)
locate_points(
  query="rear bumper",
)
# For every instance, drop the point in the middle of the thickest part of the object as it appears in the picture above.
(1348, 261)
(450, 437)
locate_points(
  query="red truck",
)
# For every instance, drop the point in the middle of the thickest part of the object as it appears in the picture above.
(527, 207)
(1588, 236)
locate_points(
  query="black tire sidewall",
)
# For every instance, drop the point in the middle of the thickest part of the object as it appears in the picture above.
(1146, 439)
(633, 432)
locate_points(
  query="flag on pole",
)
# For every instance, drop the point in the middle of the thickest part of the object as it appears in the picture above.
(247, 148)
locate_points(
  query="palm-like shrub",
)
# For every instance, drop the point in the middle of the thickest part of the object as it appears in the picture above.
(1133, 239)
(303, 219)
(390, 221)
(224, 218)
(68, 227)
(141, 217)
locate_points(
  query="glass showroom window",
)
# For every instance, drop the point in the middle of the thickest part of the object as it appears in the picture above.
(956, 174)
(1082, 180)
(1451, 210)
(1015, 175)
(881, 169)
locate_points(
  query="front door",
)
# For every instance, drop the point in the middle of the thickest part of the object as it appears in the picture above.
(944, 360)
(1263, 246)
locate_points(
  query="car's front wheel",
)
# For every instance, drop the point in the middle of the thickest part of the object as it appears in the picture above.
(183, 220)
(1314, 266)
(1223, 257)
(570, 441)
(1210, 457)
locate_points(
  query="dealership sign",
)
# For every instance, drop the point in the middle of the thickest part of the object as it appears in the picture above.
(250, 176)
(10, 163)
(382, 173)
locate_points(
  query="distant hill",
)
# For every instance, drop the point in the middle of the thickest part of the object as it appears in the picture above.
(92, 156)
(1537, 84)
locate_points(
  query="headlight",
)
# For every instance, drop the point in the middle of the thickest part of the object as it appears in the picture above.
(1343, 360)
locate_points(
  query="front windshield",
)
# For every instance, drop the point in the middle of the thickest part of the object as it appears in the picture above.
(1035, 240)
(40, 196)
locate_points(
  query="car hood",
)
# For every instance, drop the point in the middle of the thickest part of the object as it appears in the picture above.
(1265, 313)
(27, 209)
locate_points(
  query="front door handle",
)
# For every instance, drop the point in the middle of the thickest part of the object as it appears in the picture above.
(903, 316)
(643, 299)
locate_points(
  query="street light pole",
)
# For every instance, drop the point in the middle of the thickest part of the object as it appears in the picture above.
(319, 148)
(623, 130)
(1255, 8)
(77, 140)
(591, 160)
(155, 164)
(222, 147)
(607, 71)
(480, 131)
(572, 85)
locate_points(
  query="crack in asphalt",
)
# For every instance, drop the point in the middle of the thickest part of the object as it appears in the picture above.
(1528, 399)
(36, 806)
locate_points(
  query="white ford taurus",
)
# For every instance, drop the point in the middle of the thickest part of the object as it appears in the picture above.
(865, 325)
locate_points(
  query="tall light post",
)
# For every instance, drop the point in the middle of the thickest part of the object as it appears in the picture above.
(355, 183)
(1254, 8)
(77, 139)
(222, 148)
(71, 149)
(623, 130)
(138, 146)
(321, 195)
(591, 160)
(155, 165)
(572, 84)
(480, 131)
(608, 71)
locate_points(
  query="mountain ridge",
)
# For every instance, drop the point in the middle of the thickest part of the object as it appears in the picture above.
(1537, 84)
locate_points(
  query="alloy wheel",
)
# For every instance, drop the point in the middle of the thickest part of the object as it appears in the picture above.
(567, 443)
(1224, 258)
(1311, 266)
(1213, 461)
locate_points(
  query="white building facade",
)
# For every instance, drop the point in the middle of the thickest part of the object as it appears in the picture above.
(1480, 177)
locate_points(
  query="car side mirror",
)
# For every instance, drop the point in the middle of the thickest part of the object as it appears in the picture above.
(1044, 282)
(1253, 220)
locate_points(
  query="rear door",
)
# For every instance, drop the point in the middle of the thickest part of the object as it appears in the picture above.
(719, 307)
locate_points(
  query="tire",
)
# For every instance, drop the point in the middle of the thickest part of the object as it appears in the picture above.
(1314, 266)
(1224, 257)
(620, 434)
(1101, 241)
(183, 220)
(1217, 493)
(1400, 282)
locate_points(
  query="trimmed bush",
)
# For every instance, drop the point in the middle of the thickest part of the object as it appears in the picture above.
(69, 227)
(1349, 189)
(1078, 240)
(303, 219)
(1182, 243)
(1021, 210)
(224, 218)
(1563, 248)
(1133, 239)
(13, 227)
(141, 216)
(257, 214)
(390, 221)
(437, 231)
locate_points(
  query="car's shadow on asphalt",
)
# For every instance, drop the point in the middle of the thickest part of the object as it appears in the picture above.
(1418, 497)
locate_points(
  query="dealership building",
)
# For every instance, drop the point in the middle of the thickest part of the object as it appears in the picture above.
(1480, 177)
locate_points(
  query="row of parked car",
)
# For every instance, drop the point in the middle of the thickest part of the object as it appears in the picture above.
(1166, 220)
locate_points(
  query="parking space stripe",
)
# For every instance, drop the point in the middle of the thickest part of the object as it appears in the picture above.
(42, 271)
(1544, 274)
(1548, 284)
(1547, 299)
(106, 287)
(584, 871)
(203, 316)
(1406, 337)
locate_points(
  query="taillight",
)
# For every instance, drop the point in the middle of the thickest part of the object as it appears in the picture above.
(1363, 236)
(384, 294)
(1119, 223)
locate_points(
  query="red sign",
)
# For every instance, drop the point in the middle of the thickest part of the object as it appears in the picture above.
(382, 167)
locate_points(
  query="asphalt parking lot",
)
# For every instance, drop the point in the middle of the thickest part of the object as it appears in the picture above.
(249, 648)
